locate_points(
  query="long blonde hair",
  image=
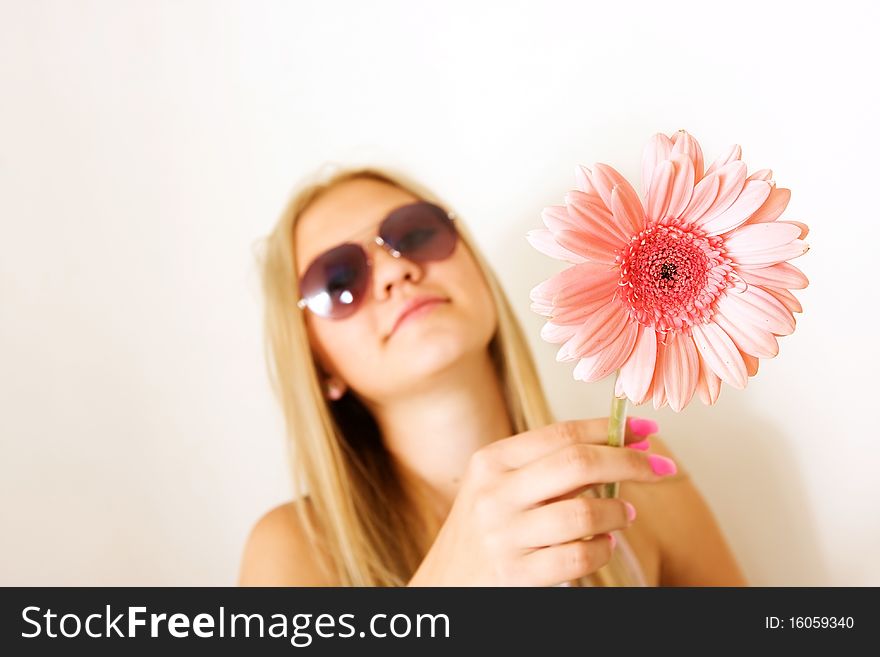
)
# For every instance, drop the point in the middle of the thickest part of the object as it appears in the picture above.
(359, 518)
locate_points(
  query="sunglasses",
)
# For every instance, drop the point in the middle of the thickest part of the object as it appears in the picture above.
(336, 282)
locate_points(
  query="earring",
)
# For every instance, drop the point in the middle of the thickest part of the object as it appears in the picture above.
(333, 390)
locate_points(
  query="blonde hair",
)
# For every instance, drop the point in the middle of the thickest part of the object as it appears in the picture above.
(360, 519)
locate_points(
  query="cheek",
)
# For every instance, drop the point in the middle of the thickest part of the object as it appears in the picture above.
(343, 345)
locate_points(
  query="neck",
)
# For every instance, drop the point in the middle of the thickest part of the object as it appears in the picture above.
(432, 431)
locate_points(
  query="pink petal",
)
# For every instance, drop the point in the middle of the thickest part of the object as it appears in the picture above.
(752, 238)
(580, 283)
(748, 338)
(605, 179)
(757, 307)
(658, 382)
(683, 142)
(627, 208)
(804, 229)
(660, 191)
(751, 364)
(733, 153)
(720, 354)
(731, 178)
(557, 217)
(577, 312)
(542, 240)
(584, 246)
(582, 177)
(775, 204)
(594, 217)
(681, 369)
(682, 184)
(702, 198)
(556, 333)
(598, 330)
(786, 298)
(658, 149)
(761, 174)
(753, 195)
(637, 372)
(599, 365)
(782, 274)
(772, 256)
(708, 385)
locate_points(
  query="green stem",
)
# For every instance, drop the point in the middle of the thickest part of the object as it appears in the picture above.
(616, 431)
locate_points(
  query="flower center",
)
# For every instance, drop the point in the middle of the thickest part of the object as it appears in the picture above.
(671, 275)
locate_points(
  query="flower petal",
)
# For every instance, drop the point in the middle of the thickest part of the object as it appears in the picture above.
(657, 149)
(627, 208)
(684, 143)
(605, 179)
(637, 372)
(775, 204)
(753, 195)
(582, 177)
(804, 228)
(762, 174)
(594, 217)
(557, 333)
(598, 330)
(752, 238)
(786, 298)
(660, 191)
(658, 382)
(682, 184)
(702, 198)
(748, 338)
(720, 354)
(767, 257)
(732, 154)
(731, 179)
(708, 385)
(757, 307)
(681, 369)
(601, 364)
(782, 274)
(751, 364)
(542, 240)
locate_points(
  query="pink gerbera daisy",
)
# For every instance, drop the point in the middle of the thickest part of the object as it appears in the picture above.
(680, 293)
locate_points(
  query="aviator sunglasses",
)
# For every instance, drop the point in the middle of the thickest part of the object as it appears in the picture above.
(335, 283)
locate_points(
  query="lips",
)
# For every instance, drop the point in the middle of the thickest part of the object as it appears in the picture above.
(414, 304)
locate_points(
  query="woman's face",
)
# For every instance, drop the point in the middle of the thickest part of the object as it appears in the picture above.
(364, 350)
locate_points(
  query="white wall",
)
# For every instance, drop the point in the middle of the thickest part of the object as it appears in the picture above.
(144, 147)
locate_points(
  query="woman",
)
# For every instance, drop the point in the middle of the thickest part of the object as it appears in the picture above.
(419, 430)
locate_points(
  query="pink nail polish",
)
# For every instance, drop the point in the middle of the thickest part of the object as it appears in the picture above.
(642, 445)
(613, 540)
(630, 511)
(642, 426)
(662, 465)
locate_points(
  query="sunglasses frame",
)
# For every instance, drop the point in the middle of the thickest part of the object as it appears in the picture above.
(302, 303)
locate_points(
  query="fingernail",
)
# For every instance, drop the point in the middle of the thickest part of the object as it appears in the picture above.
(613, 540)
(643, 426)
(642, 445)
(662, 465)
(630, 511)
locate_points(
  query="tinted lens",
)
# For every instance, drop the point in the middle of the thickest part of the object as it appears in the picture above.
(420, 231)
(334, 283)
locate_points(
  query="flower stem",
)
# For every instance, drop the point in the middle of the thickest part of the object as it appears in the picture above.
(616, 431)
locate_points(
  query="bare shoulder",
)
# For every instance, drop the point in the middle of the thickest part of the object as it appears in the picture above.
(278, 552)
(693, 550)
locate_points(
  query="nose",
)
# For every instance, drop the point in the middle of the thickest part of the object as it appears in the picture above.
(390, 272)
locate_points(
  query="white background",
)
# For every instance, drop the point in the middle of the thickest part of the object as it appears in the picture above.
(145, 146)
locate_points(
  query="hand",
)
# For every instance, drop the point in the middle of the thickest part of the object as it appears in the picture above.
(518, 518)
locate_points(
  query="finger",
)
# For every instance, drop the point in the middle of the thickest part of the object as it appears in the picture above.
(569, 520)
(579, 465)
(553, 565)
(516, 451)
